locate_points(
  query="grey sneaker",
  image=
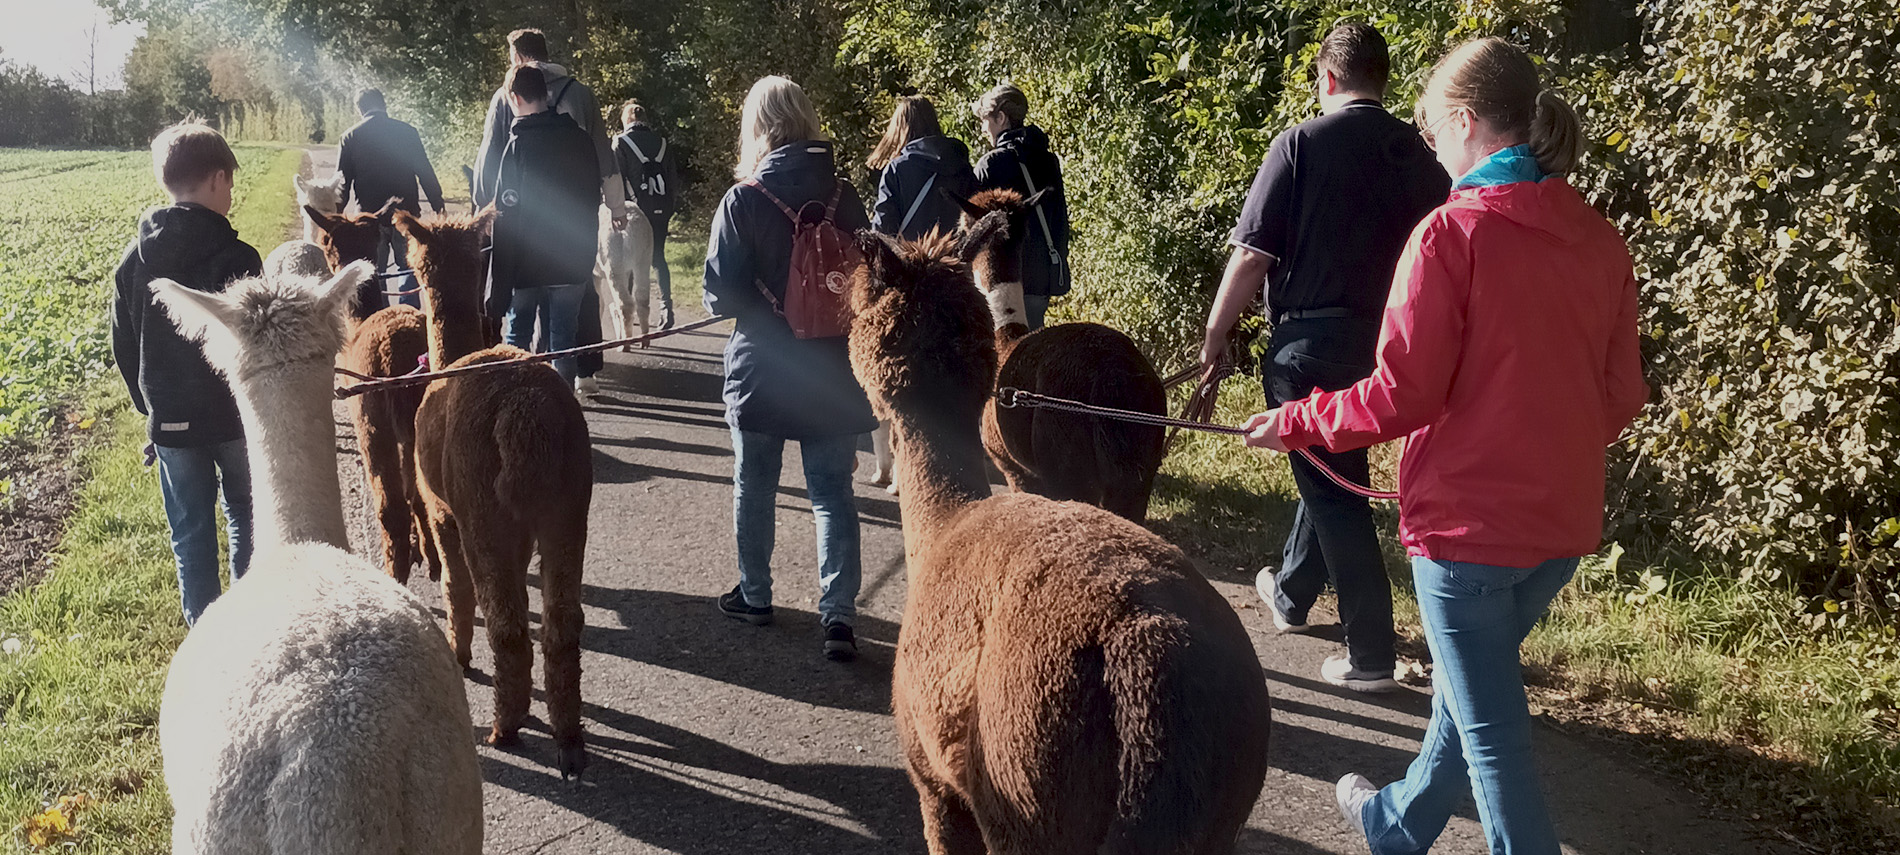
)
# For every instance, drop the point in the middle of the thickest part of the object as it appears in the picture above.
(1269, 588)
(1351, 794)
(1338, 671)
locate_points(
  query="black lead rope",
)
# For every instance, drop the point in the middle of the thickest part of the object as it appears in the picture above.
(1010, 396)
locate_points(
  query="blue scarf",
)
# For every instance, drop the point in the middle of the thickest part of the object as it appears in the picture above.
(1504, 166)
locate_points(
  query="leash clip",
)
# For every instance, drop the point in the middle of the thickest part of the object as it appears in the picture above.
(1008, 397)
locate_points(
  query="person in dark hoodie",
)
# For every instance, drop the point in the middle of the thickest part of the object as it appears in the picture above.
(916, 164)
(191, 418)
(1021, 161)
(779, 386)
(570, 98)
(382, 160)
(653, 181)
(547, 198)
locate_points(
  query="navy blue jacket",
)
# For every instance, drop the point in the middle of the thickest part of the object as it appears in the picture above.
(777, 384)
(941, 157)
(549, 197)
(185, 402)
(1002, 167)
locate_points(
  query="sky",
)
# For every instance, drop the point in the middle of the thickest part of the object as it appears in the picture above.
(51, 35)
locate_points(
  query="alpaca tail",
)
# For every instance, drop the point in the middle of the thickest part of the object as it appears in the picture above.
(1191, 723)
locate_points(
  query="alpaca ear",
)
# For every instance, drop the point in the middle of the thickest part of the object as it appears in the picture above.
(880, 254)
(1037, 197)
(985, 231)
(198, 315)
(302, 186)
(336, 180)
(324, 221)
(969, 210)
(388, 210)
(410, 226)
(485, 220)
(339, 292)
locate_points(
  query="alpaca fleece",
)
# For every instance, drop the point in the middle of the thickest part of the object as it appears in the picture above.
(1065, 681)
(387, 344)
(315, 707)
(1103, 462)
(505, 468)
(623, 273)
(314, 196)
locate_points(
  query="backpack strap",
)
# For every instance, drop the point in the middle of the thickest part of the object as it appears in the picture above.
(917, 203)
(635, 147)
(831, 208)
(1048, 237)
(789, 213)
(554, 104)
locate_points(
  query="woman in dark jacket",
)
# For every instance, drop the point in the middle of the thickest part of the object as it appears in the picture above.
(916, 163)
(1022, 161)
(778, 386)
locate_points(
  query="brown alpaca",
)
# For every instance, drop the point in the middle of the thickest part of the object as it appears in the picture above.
(1049, 453)
(505, 467)
(385, 343)
(1065, 681)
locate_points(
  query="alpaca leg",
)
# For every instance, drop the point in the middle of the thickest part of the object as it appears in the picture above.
(563, 553)
(383, 466)
(498, 560)
(881, 452)
(458, 589)
(950, 827)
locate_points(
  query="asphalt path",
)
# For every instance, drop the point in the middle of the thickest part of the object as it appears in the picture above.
(707, 735)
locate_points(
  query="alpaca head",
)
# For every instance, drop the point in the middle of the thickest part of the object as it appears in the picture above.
(265, 322)
(921, 334)
(296, 258)
(324, 196)
(348, 238)
(994, 225)
(447, 254)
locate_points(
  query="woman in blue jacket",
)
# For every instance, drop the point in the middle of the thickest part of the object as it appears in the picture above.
(915, 162)
(778, 386)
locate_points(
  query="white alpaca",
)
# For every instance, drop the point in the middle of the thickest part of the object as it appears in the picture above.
(623, 274)
(325, 195)
(296, 258)
(315, 708)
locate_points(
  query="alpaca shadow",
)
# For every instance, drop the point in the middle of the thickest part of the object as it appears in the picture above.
(609, 469)
(682, 792)
(620, 406)
(653, 381)
(1254, 841)
(687, 633)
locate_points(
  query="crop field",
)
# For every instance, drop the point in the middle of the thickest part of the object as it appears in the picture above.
(65, 218)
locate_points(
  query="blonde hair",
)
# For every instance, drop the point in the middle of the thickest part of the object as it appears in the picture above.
(914, 119)
(1497, 82)
(631, 112)
(777, 113)
(189, 152)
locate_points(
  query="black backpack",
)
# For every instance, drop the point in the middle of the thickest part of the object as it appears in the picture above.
(650, 188)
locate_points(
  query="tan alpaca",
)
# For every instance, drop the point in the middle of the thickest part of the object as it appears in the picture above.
(1061, 455)
(1065, 682)
(504, 465)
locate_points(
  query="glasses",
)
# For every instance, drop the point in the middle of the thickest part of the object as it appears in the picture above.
(1429, 130)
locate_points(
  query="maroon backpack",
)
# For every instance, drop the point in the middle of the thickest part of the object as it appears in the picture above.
(823, 259)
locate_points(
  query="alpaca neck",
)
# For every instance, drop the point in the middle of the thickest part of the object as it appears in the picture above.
(942, 468)
(1008, 310)
(451, 338)
(290, 439)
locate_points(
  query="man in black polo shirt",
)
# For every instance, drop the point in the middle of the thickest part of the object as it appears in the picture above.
(1323, 227)
(382, 160)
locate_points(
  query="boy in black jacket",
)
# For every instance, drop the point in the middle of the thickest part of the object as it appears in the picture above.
(192, 420)
(548, 194)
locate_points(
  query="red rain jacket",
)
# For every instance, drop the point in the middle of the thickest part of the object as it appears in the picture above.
(1508, 359)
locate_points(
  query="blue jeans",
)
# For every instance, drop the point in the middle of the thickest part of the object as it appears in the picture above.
(1479, 737)
(189, 479)
(558, 308)
(1035, 306)
(757, 461)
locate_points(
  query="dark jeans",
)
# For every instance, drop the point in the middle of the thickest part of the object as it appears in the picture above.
(1333, 535)
(589, 364)
(661, 276)
(190, 479)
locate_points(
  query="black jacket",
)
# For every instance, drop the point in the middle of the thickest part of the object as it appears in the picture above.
(940, 162)
(1003, 167)
(776, 383)
(186, 403)
(548, 194)
(382, 159)
(567, 96)
(654, 185)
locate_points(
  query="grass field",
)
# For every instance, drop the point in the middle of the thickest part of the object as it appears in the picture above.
(83, 653)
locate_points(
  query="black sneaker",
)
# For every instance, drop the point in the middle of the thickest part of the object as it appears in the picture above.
(840, 644)
(666, 316)
(733, 604)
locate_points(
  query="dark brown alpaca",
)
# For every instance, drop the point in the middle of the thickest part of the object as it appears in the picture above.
(504, 464)
(385, 343)
(1065, 682)
(1049, 453)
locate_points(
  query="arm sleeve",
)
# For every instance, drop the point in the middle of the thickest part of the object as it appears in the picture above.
(729, 285)
(887, 214)
(1059, 207)
(1267, 216)
(1623, 372)
(1420, 342)
(488, 157)
(425, 173)
(990, 170)
(851, 215)
(346, 166)
(128, 316)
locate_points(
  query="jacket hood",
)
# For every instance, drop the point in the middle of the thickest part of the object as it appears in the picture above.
(799, 159)
(553, 72)
(940, 154)
(1550, 206)
(174, 239)
(1027, 137)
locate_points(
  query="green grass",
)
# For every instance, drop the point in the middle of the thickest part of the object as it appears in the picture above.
(686, 260)
(79, 697)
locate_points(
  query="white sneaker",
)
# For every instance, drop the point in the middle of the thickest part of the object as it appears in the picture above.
(586, 387)
(1338, 671)
(1351, 794)
(1269, 589)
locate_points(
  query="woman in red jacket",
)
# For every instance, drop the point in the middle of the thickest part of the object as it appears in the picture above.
(1508, 360)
